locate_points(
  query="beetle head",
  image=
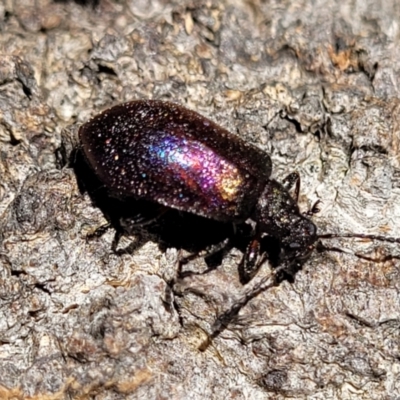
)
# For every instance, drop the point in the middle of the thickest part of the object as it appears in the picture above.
(299, 241)
(278, 215)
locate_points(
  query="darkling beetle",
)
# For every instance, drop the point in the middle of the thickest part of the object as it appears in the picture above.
(166, 154)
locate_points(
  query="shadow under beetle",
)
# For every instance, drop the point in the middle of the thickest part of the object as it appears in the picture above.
(175, 158)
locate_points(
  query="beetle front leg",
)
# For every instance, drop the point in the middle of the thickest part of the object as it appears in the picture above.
(252, 260)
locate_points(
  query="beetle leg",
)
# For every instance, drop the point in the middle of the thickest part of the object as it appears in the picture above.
(134, 225)
(224, 319)
(98, 232)
(138, 241)
(291, 180)
(252, 259)
(314, 209)
(225, 245)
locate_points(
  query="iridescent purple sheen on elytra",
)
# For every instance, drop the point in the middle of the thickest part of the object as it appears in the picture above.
(167, 154)
(198, 166)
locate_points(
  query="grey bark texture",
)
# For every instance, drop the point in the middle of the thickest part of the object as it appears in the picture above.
(314, 84)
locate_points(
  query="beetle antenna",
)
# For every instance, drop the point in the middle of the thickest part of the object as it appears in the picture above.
(359, 235)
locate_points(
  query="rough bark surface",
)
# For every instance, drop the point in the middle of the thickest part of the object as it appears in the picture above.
(314, 84)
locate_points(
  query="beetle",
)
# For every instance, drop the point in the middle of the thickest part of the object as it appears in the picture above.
(166, 154)
(174, 158)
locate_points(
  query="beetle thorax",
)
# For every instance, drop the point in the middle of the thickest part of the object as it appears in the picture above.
(278, 215)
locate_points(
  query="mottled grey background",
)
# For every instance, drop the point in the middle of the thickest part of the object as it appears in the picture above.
(315, 84)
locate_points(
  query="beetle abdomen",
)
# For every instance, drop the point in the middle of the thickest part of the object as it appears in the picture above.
(165, 153)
